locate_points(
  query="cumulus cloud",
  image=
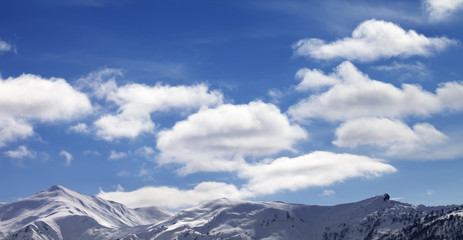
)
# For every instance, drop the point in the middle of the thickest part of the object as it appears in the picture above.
(21, 152)
(67, 156)
(356, 95)
(5, 47)
(137, 101)
(315, 169)
(217, 139)
(372, 40)
(393, 135)
(32, 98)
(171, 197)
(439, 10)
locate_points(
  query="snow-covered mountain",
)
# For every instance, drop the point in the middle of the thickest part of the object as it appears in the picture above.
(59, 213)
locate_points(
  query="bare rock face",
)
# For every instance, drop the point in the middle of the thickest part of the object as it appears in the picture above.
(386, 197)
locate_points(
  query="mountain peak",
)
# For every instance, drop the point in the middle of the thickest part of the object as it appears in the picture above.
(55, 188)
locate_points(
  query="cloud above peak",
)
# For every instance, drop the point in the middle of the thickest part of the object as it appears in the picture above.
(318, 168)
(372, 40)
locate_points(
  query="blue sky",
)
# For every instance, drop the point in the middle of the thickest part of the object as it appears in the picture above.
(171, 103)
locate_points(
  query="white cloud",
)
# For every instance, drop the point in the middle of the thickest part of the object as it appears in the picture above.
(439, 10)
(218, 139)
(100, 83)
(356, 95)
(142, 152)
(92, 152)
(372, 40)
(171, 197)
(266, 177)
(119, 188)
(137, 101)
(21, 152)
(275, 95)
(5, 47)
(117, 155)
(13, 129)
(328, 192)
(314, 78)
(32, 98)
(393, 135)
(449, 94)
(429, 192)
(67, 156)
(110, 127)
(145, 151)
(315, 169)
(80, 128)
(405, 71)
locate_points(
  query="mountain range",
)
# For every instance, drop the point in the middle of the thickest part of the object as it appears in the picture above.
(60, 213)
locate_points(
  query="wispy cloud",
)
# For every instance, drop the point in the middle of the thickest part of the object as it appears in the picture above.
(117, 155)
(80, 128)
(67, 157)
(407, 71)
(5, 47)
(20, 153)
(328, 192)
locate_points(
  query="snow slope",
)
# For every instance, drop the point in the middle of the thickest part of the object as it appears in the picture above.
(59, 213)
(372, 218)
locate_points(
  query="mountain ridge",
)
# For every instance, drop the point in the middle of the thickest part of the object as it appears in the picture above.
(60, 213)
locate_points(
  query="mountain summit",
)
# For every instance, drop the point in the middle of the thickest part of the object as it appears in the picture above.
(60, 213)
